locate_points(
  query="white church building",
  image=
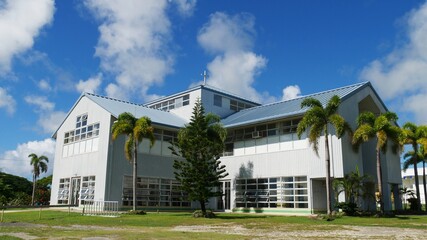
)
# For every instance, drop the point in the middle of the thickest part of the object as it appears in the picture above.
(270, 169)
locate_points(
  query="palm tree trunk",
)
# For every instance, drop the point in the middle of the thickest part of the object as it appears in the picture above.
(417, 181)
(135, 176)
(424, 184)
(34, 189)
(380, 181)
(328, 175)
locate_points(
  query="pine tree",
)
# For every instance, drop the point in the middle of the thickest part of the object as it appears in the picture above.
(199, 146)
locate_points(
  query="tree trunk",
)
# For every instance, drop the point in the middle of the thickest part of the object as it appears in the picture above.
(424, 184)
(34, 190)
(203, 207)
(328, 175)
(135, 176)
(380, 181)
(417, 181)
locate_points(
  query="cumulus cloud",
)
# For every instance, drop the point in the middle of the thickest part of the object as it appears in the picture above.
(291, 92)
(134, 43)
(235, 66)
(17, 162)
(7, 101)
(49, 119)
(400, 77)
(20, 23)
(91, 85)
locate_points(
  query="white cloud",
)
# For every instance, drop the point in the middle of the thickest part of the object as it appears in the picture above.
(44, 85)
(224, 33)
(7, 101)
(186, 7)
(400, 77)
(235, 66)
(236, 73)
(20, 23)
(91, 85)
(49, 119)
(63, 80)
(291, 92)
(41, 102)
(17, 161)
(134, 43)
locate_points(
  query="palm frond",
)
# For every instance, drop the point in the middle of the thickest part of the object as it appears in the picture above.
(381, 140)
(362, 134)
(310, 103)
(391, 116)
(120, 128)
(314, 135)
(129, 147)
(366, 118)
(341, 126)
(143, 129)
(332, 105)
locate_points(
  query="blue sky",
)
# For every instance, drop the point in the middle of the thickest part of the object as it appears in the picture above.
(51, 51)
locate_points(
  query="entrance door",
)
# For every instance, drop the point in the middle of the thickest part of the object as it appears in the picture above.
(75, 191)
(223, 202)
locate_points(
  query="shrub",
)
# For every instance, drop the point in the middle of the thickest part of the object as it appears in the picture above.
(20, 199)
(199, 214)
(136, 212)
(348, 208)
(413, 204)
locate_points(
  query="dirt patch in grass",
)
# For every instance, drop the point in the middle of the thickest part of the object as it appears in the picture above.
(347, 232)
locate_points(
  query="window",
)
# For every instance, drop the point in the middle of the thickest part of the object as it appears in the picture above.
(63, 191)
(186, 100)
(172, 103)
(237, 106)
(290, 126)
(83, 130)
(155, 192)
(280, 192)
(88, 189)
(217, 100)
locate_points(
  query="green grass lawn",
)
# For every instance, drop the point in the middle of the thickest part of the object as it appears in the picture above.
(56, 224)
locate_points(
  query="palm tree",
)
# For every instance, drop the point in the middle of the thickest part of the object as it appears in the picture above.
(414, 159)
(413, 135)
(381, 128)
(317, 119)
(39, 166)
(353, 185)
(405, 192)
(135, 130)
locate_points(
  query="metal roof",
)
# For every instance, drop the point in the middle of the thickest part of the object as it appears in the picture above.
(287, 108)
(268, 112)
(116, 107)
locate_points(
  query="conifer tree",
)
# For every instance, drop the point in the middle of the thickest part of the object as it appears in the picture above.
(199, 146)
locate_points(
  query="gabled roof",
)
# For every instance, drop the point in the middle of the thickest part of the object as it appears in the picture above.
(287, 108)
(115, 107)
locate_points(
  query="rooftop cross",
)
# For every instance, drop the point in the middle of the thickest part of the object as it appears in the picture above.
(205, 75)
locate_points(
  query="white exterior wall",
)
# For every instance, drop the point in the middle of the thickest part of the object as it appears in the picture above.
(408, 181)
(224, 110)
(83, 164)
(185, 112)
